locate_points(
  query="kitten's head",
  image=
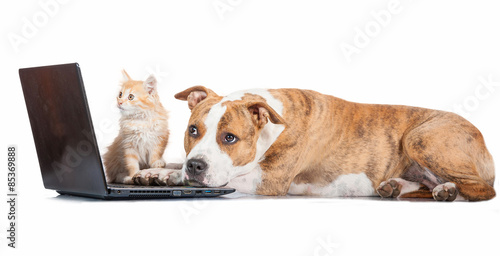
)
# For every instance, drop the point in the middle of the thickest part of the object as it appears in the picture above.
(135, 95)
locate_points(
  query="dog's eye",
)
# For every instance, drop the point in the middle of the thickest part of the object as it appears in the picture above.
(193, 131)
(130, 97)
(119, 96)
(230, 138)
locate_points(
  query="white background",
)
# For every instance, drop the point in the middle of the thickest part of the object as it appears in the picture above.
(430, 54)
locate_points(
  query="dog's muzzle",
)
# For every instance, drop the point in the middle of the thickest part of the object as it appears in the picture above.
(196, 169)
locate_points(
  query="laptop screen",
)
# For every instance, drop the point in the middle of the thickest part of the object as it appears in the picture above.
(62, 129)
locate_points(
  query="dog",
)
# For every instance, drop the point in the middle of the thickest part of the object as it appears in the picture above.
(301, 142)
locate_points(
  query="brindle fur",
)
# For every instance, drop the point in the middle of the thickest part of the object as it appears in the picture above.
(381, 141)
(326, 137)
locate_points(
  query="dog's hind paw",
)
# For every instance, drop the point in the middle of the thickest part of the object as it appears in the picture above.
(445, 192)
(160, 163)
(389, 188)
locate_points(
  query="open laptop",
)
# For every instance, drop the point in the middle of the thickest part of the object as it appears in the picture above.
(65, 141)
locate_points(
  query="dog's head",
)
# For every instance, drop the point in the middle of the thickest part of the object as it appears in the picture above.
(227, 136)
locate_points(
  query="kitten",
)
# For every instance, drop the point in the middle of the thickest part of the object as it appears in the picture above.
(143, 134)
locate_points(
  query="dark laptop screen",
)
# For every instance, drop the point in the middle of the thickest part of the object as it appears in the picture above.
(62, 129)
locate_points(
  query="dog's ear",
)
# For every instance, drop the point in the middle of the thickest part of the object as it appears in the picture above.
(261, 113)
(195, 95)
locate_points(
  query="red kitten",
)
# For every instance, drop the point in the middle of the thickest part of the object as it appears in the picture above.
(143, 134)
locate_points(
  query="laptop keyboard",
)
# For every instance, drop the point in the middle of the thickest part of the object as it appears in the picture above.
(114, 185)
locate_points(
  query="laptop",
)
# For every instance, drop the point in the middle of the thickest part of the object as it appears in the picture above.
(65, 141)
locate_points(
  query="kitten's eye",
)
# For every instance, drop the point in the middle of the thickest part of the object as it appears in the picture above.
(119, 96)
(130, 97)
(230, 138)
(193, 131)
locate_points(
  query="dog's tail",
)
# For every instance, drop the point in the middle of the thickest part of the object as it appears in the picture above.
(422, 192)
(486, 167)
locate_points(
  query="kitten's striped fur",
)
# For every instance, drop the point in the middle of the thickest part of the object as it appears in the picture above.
(143, 134)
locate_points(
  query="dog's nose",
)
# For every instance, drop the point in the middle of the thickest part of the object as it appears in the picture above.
(196, 166)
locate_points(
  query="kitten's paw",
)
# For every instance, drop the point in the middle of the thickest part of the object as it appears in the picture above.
(160, 163)
(152, 176)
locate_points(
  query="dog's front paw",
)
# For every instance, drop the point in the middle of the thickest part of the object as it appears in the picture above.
(175, 178)
(160, 163)
(445, 192)
(152, 176)
(389, 188)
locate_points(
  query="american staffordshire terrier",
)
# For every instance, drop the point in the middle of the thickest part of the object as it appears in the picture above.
(301, 142)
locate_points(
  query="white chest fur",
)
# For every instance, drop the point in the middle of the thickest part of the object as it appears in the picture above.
(144, 135)
(248, 182)
(344, 186)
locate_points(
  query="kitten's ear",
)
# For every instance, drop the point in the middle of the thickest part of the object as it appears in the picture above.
(195, 95)
(150, 84)
(126, 77)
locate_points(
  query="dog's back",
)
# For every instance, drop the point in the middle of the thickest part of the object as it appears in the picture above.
(381, 141)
